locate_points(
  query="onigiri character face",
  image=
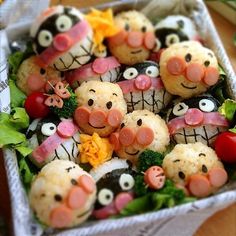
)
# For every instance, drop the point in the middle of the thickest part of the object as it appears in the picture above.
(196, 120)
(138, 131)
(115, 185)
(62, 195)
(53, 139)
(135, 39)
(101, 107)
(188, 69)
(143, 88)
(62, 38)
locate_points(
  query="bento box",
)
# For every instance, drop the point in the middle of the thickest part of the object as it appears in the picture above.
(180, 220)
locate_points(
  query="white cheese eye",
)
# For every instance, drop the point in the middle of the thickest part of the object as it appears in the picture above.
(63, 23)
(157, 46)
(105, 196)
(130, 73)
(48, 129)
(206, 105)
(180, 109)
(45, 38)
(126, 181)
(152, 71)
(171, 39)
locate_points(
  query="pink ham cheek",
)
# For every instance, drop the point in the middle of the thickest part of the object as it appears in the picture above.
(193, 117)
(149, 40)
(127, 136)
(62, 42)
(194, 72)
(211, 76)
(114, 117)
(114, 140)
(176, 65)
(81, 115)
(77, 198)
(122, 199)
(66, 129)
(36, 82)
(217, 177)
(144, 136)
(97, 118)
(142, 82)
(87, 183)
(135, 39)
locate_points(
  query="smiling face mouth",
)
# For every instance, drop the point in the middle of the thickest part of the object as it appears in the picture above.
(96, 127)
(136, 52)
(132, 153)
(187, 87)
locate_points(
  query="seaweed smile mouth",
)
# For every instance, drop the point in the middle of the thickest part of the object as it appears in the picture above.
(187, 87)
(96, 127)
(132, 153)
(136, 52)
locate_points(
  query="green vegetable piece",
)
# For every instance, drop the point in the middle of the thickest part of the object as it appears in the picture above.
(140, 188)
(23, 150)
(228, 109)
(15, 60)
(17, 96)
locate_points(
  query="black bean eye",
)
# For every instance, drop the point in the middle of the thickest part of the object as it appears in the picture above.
(122, 125)
(127, 27)
(188, 57)
(109, 105)
(73, 182)
(206, 63)
(42, 71)
(57, 197)
(139, 122)
(90, 102)
(204, 169)
(181, 175)
(144, 29)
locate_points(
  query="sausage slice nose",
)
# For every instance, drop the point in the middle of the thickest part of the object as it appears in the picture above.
(135, 39)
(114, 139)
(127, 136)
(97, 118)
(76, 198)
(142, 82)
(193, 117)
(118, 39)
(194, 72)
(176, 65)
(211, 76)
(62, 42)
(145, 136)
(81, 115)
(114, 117)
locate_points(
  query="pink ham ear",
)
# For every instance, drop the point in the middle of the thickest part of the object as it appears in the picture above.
(114, 140)
(100, 66)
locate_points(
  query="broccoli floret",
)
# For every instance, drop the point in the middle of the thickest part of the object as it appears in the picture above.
(69, 106)
(140, 188)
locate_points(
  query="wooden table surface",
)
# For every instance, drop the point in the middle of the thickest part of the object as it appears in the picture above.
(222, 223)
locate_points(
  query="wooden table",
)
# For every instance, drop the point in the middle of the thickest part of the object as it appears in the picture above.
(222, 223)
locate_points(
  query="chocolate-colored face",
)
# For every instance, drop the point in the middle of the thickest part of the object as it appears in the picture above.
(196, 119)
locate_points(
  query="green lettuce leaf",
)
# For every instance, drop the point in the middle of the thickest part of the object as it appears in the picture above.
(23, 150)
(228, 109)
(17, 96)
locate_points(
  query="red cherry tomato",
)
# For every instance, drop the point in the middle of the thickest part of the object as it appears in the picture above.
(34, 105)
(225, 147)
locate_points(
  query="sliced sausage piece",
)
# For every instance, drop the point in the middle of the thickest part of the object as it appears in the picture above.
(36, 82)
(100, 66)
(76, 198)
(127, 136)
(61, 91)
(154, 177)
(81, 115)
(50, 85)
(135, 39)
(211, 76)
(149, 40)
(97, 118)
(176, 65)
(217, 177)
(54, 101)
(199, 186)
(87, 183)
(145, 136)
(66, 129)
(114, 117)
(61, 217)
(193, 117)
(142, 82)
(194, 72)
(114, 140)
(122, 199)
(118, 39)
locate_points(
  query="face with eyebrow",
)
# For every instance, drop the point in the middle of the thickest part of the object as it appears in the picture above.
(101, 107)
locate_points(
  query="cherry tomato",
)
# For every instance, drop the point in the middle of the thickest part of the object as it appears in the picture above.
(34, 105)
(225, 147)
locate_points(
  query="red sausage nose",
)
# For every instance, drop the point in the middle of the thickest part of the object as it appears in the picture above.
(145, 136)
(135, 39)
(142, 82)
(114, 117)
(176, 65)
(127, 136)
(97, 118)
(194, 72)
(62, 42)
(193, 117)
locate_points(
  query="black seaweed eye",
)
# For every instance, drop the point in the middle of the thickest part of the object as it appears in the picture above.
(188, 57)
(73, 182)
(127, 27)
(144, 29)
(42, 71)
(206, 63)
(122, 125)
(62, 74)
(57, 197)
(139, 122)
(180, 23)
(204, 169)
(181, 175)
(90, 102)
(109, 105)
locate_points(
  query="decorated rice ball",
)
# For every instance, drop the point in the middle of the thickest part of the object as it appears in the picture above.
(188, 69)
(195, 166)
(101, 107)
(138, 131)
(62, 194)
(62, 38)
(135, 39)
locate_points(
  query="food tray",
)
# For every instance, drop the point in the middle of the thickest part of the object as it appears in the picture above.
(180, 220)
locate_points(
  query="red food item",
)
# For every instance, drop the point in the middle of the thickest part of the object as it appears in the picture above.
(122, 199)
(127, 136)
(194, 117)
(225, 147)
(97, 118)
(114, 139)
(34, 105)
(77, 197)
(114, 117)
(217, 177)
(87, 183)
(135, 39)
(154, 177)
(66, 129)
(54, 101)
(211, 76)
(149, 40)
(176, 65)
(36, 82)
(142, 82)
(61, 217)
(145, 136)
(195, 72)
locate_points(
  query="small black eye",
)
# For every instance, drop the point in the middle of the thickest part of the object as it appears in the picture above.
(73, 181)
(127, 27)
(90, 102)
(206, 63)
(139, 122)
(204, 169)
(122, 125)
(109, 105)
(42, 71)
(188, 57)
(57, 197)
(144, 29)
(181, 175)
